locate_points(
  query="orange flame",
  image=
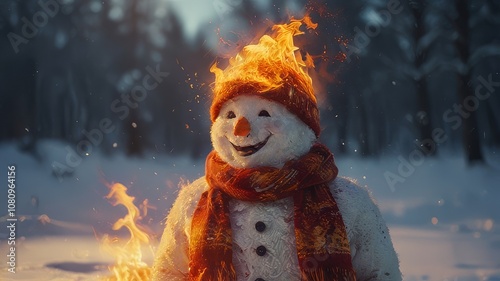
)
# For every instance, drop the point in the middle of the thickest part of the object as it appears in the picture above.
(129, 265)
(265, 64)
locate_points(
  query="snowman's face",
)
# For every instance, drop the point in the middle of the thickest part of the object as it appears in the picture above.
(251, 131)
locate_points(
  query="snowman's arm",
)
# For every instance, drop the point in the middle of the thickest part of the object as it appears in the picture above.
(172, 261)
(373, 254)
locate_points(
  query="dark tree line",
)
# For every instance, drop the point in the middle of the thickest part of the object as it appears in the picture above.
(391, 71)
(412, 73)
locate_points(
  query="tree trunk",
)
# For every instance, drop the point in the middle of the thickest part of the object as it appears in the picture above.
(342, 105)
(364, 136)
(471, 138)
(494, 124)
(132, 122)
(424, 122)
(134, 141)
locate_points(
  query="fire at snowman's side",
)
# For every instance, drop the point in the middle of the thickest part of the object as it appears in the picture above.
(128, 255)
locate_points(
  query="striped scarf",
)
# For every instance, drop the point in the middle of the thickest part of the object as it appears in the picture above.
(322, 246)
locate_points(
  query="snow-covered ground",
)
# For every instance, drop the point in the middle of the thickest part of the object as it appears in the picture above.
(444, 218)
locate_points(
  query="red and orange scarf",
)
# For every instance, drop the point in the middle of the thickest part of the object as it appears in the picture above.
(322, 245)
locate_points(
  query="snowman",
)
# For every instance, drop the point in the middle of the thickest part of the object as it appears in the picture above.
(271, 205)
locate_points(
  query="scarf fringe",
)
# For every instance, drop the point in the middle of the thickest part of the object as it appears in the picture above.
(224, 272)
(328, 274)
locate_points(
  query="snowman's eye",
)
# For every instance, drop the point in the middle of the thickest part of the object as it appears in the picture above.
(230, 115)
(264, 113)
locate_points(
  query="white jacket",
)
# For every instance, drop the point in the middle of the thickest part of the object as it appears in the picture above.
(372, 252)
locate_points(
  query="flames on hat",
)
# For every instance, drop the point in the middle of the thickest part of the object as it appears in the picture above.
(275, 69)
(267, 62)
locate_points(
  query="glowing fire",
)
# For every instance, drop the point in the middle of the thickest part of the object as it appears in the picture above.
(270, 63)
(128, 255)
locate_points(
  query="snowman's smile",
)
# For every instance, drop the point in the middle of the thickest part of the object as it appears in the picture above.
(251, 149)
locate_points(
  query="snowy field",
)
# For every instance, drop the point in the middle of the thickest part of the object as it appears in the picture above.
(444, 218)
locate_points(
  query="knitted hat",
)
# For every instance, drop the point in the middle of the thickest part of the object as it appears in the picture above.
(270, 70)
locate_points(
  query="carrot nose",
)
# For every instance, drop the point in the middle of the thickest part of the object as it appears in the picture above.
(242, 127)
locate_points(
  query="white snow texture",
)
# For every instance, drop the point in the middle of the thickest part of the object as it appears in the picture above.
(288, 138)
